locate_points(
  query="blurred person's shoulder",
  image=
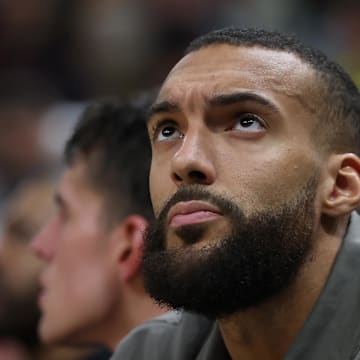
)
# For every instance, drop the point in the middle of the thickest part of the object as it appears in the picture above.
(174, 335)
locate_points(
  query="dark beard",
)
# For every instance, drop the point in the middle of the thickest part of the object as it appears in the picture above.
(258, 258)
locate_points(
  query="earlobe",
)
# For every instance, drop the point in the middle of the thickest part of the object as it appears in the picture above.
(343, 194)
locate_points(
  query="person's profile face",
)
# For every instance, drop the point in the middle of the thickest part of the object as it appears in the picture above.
(19, 267)
(78, 281)
(236, 122)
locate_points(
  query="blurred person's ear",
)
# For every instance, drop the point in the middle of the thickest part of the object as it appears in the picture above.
(129, 238)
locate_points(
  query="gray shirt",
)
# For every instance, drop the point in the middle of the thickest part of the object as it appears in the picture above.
(331, 332)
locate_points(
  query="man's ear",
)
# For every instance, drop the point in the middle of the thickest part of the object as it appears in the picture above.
(129, 238)
(342, 187)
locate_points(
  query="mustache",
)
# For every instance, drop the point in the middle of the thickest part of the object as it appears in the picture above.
(156, 232)
(201, 193)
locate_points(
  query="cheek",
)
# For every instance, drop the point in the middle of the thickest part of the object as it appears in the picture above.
(89, 284)
(161, 185)
(95, 289)
(267, 179)
(83, 299)
(79, 254)
(84, 277)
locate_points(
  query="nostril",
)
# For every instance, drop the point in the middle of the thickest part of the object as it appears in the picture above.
(197, 175)
(177, 177)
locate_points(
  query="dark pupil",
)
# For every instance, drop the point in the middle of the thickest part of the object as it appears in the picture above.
(247, 122)
(168, 131)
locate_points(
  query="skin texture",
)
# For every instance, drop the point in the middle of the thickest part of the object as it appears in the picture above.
(201, 135)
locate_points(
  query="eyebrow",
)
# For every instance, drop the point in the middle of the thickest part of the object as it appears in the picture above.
(218, 100)
(162, 107)
(237, 97)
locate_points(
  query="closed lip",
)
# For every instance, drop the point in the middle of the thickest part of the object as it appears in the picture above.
(189, 207)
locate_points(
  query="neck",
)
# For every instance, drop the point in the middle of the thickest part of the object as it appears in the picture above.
(136, 307)
(268, 330)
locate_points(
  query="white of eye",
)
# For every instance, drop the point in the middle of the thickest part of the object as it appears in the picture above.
(249, 123)
(167, 132)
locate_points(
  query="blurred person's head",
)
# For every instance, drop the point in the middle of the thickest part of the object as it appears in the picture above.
(27, 210)
(92, 288)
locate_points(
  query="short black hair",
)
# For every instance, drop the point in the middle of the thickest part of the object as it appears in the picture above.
(112, 137)
(339, 129)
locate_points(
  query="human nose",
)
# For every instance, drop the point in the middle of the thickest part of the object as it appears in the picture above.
(42, 243)
(193, 162)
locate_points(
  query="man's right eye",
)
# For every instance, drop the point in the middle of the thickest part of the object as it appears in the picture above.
(166, 131)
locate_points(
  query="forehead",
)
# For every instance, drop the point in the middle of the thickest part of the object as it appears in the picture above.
(218, 69)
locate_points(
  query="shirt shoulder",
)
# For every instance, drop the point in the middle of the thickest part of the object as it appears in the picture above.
(172, 336)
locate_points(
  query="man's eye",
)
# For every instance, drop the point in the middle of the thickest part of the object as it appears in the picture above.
(167, 132)
(248, 122)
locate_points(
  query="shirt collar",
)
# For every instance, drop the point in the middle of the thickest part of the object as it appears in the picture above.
(332, 331)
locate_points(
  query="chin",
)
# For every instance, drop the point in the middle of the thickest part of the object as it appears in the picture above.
(199, 235)
(48, 334)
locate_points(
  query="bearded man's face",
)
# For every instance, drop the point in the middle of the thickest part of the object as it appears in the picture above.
(234, 178)
(252, 258)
